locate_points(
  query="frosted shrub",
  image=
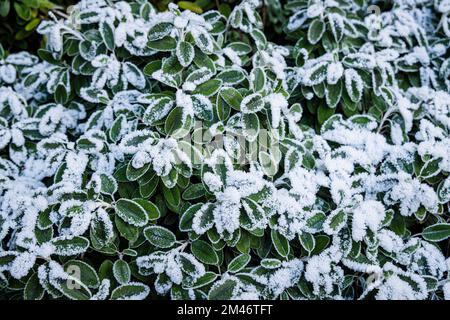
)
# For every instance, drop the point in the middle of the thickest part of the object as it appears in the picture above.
(185, 155)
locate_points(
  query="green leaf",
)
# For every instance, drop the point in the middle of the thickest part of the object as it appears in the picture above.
(186, 219)
(443, 191)
(130, 291)
(185, 53)
(307, 241)
(322, 242)
(61, 95)
(189, 264)
(105, 270)
(159, 31)
(252, 103)
(324, 112)
(32, 24)
(205, 216)
(133, 75)
(268, 163)
(157, 110)
(191, 6)
(4, 10)
(72, 288)
(129, 252)
(252, 216)
(46, 55)
(222, 290)
(239, 263)
(258, 79)
(259, 38)
(398, 225)
(204, 42)
(150, 208)
(280, 243)
(204, 280)
(209, 88)
(165, 44)
(171, 66)
(335, 222)
(202, 107)
(336, 22)
(22, 10)
(176, 124)
(152, 67)
(131, 212)
(317, 74)
(33, 289)
(316, 221)
(148, 188)
(70, 246)
(170, 181)
(199, 76)
(101, 228)
(204, 252)
(107, 33)
(108, 184)
(333, 93)
(231, 76)
(172, 196)
(251, 126)
(431, 168)
(243, 241)
(121, 271)
(437, 232)
(194, 191)
(232, 96)
(354, 85)
(126, 230)
(160, 237)
(87, 274)
(270, 263)
(316, 31)
(222, 109)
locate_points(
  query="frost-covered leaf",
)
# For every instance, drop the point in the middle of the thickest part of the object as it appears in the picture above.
(122, 271)
(239, 262)
(70, 246)
(130, 291)
(134, 75)
(108, 184)
(437, 232)
(160, 237)
(315, 31)
(157, 110)
(280, 243)
(159, 31)
(107, 32)
(233, 97)
(252, 103)
(307, 241)
(231, 76)
(271, 263)
(88, 275)
(316, 74)
(353, 85)
(222, 290)
(131, 212)
(185, 53)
